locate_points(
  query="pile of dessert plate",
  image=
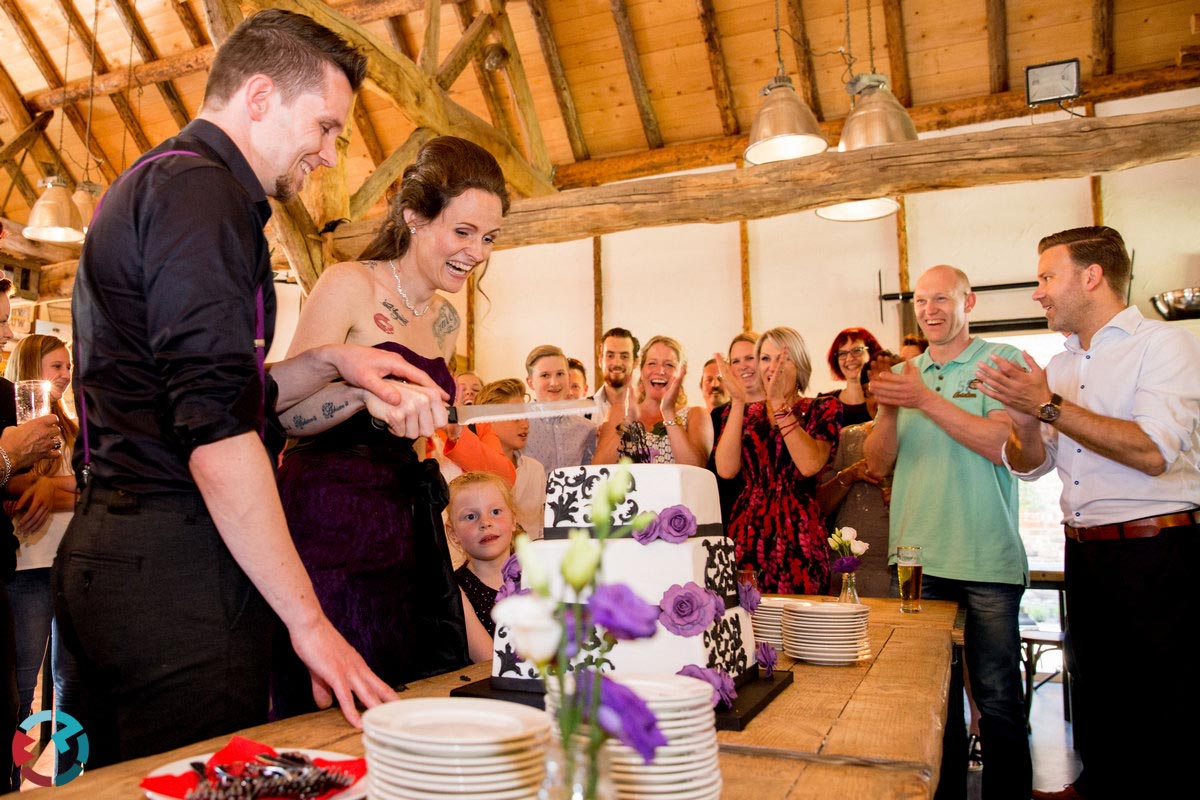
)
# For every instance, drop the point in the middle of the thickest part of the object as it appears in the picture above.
(831, 634)
(767, 621)
(686, 768)
(466, 748)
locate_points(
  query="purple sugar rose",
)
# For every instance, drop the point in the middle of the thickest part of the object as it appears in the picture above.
(723, 688)
(674, 524)
(508, 589)
(846, 564)
(622, 613)
(511, 571)
(767, 657)
(749, 596)
(688, 610)
(622, 713)
(647, 534)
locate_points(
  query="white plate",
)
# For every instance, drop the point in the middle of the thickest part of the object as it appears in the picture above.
(462, 765)
(664, 692)
(356, 791)
(833, 662)
(490, 783)
(652, 773)
(463, 752)
(710, 789)
(382, 790)
(454, 721)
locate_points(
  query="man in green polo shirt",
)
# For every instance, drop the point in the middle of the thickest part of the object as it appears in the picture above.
(954, 498)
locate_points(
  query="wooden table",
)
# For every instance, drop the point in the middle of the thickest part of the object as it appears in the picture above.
(870, 730)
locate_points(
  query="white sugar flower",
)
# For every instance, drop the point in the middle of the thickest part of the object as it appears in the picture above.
(534, 629)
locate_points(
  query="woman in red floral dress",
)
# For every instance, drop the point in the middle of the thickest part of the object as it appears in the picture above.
(780, 447)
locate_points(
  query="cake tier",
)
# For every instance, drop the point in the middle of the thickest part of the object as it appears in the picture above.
(653, 487)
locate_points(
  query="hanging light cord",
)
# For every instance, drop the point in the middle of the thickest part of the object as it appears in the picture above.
(129, 81)
(870, 38)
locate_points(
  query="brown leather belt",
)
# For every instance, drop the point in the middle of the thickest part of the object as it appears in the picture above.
(1134, 529)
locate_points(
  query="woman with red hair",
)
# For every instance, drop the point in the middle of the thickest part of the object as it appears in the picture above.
(851, 351)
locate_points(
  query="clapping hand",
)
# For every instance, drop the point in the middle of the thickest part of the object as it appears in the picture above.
(1021, 388)
(671, 394)
(904, 389)
(732, 384)
(781, 382)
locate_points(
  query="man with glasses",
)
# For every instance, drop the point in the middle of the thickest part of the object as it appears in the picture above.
(1118, 413)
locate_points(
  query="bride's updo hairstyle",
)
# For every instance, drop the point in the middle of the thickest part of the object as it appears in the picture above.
(444, 168)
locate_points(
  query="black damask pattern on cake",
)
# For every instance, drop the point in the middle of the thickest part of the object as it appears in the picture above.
(510, 660)
(725, 649)
(719, 574)
(569, 496)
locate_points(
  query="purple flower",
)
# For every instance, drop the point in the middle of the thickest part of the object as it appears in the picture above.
(511, 571)
(675, 524)
(748, 596)
(572, 647)
(767, 657)
(622, 613)
(688, 610)
(846, 564)
(718, 607)
(647, 534)
(723, 689)
(622, 713)
(508, 589)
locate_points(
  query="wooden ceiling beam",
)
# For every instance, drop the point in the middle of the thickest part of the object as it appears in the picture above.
(539, 154)
(191, 26)
(366, 129)
(9, 152)
(167, 68)
(931, 117)
(41, 58)
(897, 48)
(387, 173)
(132, 21)
(12, 105)
(1058, 150)
(997, 41)
(399, 36)
(220, 17)
(1102, 37)
(633, 65)
(14, 241)
(119, 100)
(433, 28)
(419, 96)
(467, 48)
(716, 65)
(558, 78)
(806, 73)
(498, 110)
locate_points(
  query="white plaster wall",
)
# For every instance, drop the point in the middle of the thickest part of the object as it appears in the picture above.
(539, 295)
(819, 277)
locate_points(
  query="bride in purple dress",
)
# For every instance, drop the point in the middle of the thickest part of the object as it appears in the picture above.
(363, 507)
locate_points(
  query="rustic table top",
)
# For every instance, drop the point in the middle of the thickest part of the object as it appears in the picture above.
(869, 730)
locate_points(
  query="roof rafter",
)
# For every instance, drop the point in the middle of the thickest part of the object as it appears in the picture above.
(558, 77)
(132, 21)
(897, 48)
(522, 94)
(804, 60)
(641, 93)
(1102, 37)
(997, 42)
(716, 65)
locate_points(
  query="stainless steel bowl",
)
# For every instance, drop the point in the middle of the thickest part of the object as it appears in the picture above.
(1178, 304)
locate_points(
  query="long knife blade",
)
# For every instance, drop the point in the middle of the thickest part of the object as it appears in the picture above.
(502, 412)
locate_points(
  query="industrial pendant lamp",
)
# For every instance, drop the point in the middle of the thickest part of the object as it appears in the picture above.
(877, 118)
(784, 127)
(54, 217)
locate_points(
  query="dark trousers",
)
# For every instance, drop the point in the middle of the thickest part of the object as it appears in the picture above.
(1131, 608)
(8, 687)
(171, 638)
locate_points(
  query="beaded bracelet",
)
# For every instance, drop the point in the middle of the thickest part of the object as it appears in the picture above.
(7, 467)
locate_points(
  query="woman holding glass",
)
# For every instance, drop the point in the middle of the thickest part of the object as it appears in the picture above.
(779, 446)
(40, 503)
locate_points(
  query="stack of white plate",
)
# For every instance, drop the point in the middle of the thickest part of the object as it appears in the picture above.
(767, 620)
(826, 633)
(438, 747)
(686, 767)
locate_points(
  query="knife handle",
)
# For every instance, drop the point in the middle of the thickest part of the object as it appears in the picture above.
(452, 415)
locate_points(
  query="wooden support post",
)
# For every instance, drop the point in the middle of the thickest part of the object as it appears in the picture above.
(538, 154)
(1094, 185)
(499, 111)
(716, 66)
(433, 28)
(908, 319)
(744, 252)
(387, 173)
(1102, 37)
(598, 302)
(366, 129)
(466, 49)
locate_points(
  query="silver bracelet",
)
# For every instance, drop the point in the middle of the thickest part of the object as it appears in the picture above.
(7, 467)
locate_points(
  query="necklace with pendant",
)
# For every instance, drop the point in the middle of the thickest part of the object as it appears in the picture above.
(403, 294)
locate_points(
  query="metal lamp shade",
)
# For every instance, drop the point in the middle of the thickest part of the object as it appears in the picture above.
(86, 198)
(784, 128)
(54, 217)
(877, 119)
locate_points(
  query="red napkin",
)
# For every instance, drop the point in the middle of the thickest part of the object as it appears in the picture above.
(240, 749)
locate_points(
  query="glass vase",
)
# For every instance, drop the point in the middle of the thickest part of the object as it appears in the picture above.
(849, 593)
(571, 774)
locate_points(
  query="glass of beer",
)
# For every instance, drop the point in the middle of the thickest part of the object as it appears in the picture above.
(909, 570)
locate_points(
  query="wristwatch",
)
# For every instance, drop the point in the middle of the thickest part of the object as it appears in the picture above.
(1048, 412)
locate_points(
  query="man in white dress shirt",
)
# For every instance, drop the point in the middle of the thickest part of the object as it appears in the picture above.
(1118, 413)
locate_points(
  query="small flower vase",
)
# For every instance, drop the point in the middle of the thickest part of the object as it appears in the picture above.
(849, 593)
(573, 775)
